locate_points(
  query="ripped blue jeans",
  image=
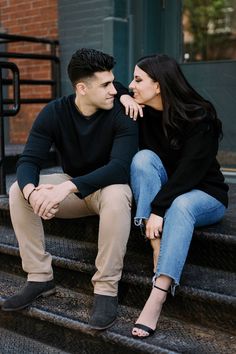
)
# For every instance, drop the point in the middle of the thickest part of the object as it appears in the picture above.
(195, 208)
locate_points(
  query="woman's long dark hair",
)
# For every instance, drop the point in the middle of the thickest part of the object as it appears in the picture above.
(180, 101)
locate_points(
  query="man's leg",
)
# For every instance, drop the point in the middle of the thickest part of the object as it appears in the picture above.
(113, 204)
(30, 235)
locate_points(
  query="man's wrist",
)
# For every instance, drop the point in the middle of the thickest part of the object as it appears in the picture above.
(28, 199)
(27, 190)
(70, 187)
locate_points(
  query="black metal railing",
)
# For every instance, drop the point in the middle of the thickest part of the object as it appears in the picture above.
(7, 112)
(17, 82)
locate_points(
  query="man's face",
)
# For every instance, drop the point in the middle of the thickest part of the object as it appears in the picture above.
(100, 91)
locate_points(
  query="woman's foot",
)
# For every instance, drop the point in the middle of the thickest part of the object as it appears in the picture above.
(150, 314)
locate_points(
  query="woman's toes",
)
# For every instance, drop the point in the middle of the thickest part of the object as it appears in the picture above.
(135, 331)
(139, 332)
(142, 333)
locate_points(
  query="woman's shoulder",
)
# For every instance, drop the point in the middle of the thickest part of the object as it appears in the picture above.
(200, 120)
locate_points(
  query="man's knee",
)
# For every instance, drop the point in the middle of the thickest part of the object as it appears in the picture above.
(15, 192)
(116, 197)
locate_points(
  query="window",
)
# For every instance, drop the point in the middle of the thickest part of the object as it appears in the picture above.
(209, 30)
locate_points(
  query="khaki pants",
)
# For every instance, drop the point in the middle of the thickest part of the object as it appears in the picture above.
(112, 204)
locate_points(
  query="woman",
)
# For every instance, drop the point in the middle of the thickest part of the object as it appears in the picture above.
(175, 177)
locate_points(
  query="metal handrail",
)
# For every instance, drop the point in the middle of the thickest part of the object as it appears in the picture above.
(7, 38)
(29, 56)
(54, 83)
(52, 57)
(7, 112)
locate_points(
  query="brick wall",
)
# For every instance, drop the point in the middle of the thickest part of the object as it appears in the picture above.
(37, 18)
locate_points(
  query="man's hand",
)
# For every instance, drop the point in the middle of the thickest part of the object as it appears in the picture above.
(46, 198)
(132, 108)
(154, 226)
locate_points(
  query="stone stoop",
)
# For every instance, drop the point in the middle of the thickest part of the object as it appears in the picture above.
(201, 318)
(13, 152)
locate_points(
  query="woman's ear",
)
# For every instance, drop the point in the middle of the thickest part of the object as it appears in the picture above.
(158, 90)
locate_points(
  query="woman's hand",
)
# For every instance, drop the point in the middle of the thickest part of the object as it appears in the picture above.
(132, 108)
(154, 226)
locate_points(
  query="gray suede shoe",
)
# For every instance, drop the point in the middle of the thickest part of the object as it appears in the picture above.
(28, 294)
(104, 311)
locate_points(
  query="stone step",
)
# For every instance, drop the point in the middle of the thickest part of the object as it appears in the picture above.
(12, 343)
(13, 152)
(66, 314)
(206, 295)
(213, 246)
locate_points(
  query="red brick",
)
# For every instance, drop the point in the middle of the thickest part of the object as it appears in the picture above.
(34, 18)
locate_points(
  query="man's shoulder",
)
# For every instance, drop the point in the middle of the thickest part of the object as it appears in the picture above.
(61, 102)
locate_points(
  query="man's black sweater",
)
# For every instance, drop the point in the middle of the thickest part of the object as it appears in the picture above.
(95, 151)
(191, 166)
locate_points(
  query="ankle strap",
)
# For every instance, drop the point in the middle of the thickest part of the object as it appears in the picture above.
(157, 287)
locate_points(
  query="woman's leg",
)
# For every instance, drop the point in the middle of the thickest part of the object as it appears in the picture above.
(195, 208)
(148, 175)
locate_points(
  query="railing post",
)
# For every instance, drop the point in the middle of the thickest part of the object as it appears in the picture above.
(7, 112)
(54, 83)
(2, 142)
(55, 73)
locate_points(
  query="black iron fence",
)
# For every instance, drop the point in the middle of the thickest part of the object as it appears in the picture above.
(17, 82)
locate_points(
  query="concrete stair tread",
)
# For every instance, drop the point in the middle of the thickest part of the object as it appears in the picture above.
(71, 309)
(80, 256)
(12, 343)
(224, 231)
(14, 149)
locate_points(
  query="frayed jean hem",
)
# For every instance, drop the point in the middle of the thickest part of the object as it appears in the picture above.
(173, 286)
(139, 221)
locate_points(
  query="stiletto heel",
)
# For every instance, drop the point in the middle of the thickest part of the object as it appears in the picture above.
(145, 328)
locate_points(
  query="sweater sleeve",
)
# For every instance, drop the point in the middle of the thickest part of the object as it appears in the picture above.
(36, 149)
(198, 154)
(117, 170)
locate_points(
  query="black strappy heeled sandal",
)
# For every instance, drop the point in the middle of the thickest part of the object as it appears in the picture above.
(147, 329)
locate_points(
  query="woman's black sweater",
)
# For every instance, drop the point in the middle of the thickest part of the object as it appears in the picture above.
(192, 165)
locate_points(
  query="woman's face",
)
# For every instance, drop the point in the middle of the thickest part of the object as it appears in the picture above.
(145, 90)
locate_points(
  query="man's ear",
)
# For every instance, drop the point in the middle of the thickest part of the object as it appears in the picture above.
(81, 88)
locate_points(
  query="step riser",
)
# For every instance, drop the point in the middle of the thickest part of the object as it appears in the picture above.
(59, 337)
(213, 253)
(11, 161)
(210, 312)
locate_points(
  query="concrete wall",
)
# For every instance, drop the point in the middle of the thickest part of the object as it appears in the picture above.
(81, 24)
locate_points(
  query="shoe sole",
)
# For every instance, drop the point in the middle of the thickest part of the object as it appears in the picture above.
(45, 294)
(102, 328)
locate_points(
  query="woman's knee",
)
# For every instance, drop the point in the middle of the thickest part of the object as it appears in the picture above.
(182, 205)
(143, 159)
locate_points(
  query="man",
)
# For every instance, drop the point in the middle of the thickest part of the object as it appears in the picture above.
(96, 143)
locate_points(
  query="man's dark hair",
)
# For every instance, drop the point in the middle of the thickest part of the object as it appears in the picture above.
(85, 62)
